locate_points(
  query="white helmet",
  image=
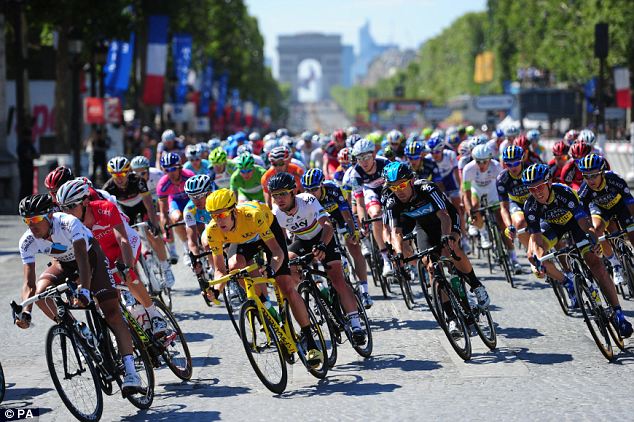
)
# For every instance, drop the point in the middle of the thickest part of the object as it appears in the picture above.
(512, 131)
(482, 152)
(72, 192)
(192, 152)
(587, 136)
(140, 162)
(363, 146)
(168, 135)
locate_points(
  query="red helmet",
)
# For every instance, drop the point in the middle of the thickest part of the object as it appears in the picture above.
(571, 136)
(579, 150)
(522, 142)
(344, 156)
(560, 148)
(339, 136)
(57, 178)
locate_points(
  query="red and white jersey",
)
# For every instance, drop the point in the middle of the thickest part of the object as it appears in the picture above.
(107, 216)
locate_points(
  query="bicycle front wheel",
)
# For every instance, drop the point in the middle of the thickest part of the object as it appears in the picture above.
(3, 385)
(234, 296)
(263, 348)
(561, 294)
(406, 290)
(503, 257)
(143, 366)
(73, 374)
(486, 328)
(594, 316)
(426, 286)
(366, 349)
(176, 353)
(447, 312)
(328, 327)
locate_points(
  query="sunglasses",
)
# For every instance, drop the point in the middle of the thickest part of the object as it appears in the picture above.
(172, 169)
(220, 215)
(142, 173)
(590, 176)
(33, 220)
(364, 157)
(120, 174)
(561, 157)
(245, 171)
(416, 158)
(482, 161)
(437, 152)
(199, 196)
(537, 187)
(399, 186)
(277, 163)
(70, 206)
(513, 164)
(313, 189)
(279, 194)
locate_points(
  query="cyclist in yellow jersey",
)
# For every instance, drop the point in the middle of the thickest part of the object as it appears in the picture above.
(249, 227)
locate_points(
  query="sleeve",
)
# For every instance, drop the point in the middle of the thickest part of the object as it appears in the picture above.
(467, 175)
(264, 218)
(78, 230)
(436, 199)
(264, 181)
(189, 215)
(435, 173)
(576, 206)
(27, 248)
(341, 199)
(622, 187)
(161, 192)
(503, 195)
(532, 218)
(214, 241)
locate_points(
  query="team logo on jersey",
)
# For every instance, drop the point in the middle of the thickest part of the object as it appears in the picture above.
(531, 217)
(571, 204)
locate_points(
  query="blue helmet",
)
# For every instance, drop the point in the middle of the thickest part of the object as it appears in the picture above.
(170, 159)
(435, 143)
(453, 140)
(312, 178)
(512, 153)
(414, 149)
(240, 137)
(499, 133)
(535, 173)
(533, 135)
(397, 170)
(591, 162)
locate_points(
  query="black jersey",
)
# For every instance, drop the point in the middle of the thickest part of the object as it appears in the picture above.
(511, 188)
(562, 209)
(422, 208)
(131, 195)
(612, 191)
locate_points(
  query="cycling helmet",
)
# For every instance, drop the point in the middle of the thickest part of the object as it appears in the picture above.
(343, 156)
(339, 136)
(72, 192)
(213, 143)
(220, 200)
(307, 136)
(453, 140)
(512, 153)
(281, 181)
(482, 152)
(323, 141)
(587, 136)
(476, 140)
(281, 132)
(139, 162)
(240, 137)
(499, 133)
(33, 205)
(168, 135)
(287, 141)
(464, 149)
(535, 173)
(396, 171)
(58, 177)
(118, 165)
(255, 136)
(170, 159)
(312, 178)
(395, 137)
(414, 150)
(482, 139)
(533, 135)
(244, 148)
(196, 185)
(591, 162)
(352, 130)
(86, 181)
(522, 142)
(438, 133)
(451, 130)
(352, 139)
(388, 152)
(579, 150)
(279, 153)
(571, 136)
(362, 147)
(270, 145)
(560, 148)
(469, 130)
(435, 144)
(269, 137)
(218, 156)
(375, 137)
(202, 147)
(191, 152)
(512, 131)
(426, 133)
(245, 161)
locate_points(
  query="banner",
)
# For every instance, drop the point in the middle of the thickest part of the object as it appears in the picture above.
(206, 89)
(124, 66)
(182, 52)
(222, 94)
(93, 111)
(156, 60)
(236, 104)
(622, 87)
(110, 70)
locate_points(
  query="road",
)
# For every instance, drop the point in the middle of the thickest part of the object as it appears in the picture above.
(323, 117)
(545, 367)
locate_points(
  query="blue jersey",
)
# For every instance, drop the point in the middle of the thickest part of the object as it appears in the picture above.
(194, 216)
(205, 168)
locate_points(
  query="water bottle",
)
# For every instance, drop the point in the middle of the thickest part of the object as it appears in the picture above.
(456, 285)
(86, 333)
(269, 306)
(325, 292)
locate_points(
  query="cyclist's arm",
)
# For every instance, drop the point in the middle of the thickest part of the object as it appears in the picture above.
(445, 221)
(466, 189)
(397, 239)
(586, 225)
(347, 217)
(164, 209)
(83, 265)
(277, 254)
(192, 238)
(505, 213)
(360, 206)
(219, 265)
(326, 230)
(28, 288)
(124, 244)
(149, 206)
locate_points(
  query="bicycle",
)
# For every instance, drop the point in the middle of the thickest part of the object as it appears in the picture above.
(403, 278)
(152, 272)
(3, 385)
(262, 334)
(423, 276)
(597, 317)
(349, 270)
(500, 254)
(625, 255)
(329, 312)
(233, 294)
(86, 357)
(376, 260)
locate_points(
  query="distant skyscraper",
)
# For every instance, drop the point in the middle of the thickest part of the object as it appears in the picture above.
(347, 65)
(368, 50)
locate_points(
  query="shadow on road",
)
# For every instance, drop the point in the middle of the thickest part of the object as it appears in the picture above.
(385, 324)
(195, 337)
(204, 361)
(388, 361)
(513, 354)
(171, 413)
(348, 385)
(24, 397)
(200, 388)
(197, 315)
(517, 332)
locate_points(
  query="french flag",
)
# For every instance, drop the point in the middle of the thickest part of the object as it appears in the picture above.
(156, 60)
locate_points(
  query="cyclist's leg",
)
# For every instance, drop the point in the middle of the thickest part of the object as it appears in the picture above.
(53, 275)
(517, 217)
(477, 220)
(546, 240)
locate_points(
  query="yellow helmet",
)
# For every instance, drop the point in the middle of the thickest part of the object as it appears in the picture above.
(220, 200)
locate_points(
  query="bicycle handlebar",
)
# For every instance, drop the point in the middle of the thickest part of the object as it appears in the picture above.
(371, 220)
(617, 233)
(17, 309)
(169, 226)
(563, 251)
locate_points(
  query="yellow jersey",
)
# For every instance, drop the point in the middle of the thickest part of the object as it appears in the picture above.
(252, 222)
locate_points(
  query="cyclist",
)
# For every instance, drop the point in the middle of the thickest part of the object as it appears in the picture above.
(317, 156)
(447, 163)
(245, 181)
(280, 160)
(333, 201)
(589, 138)
(560, 158)
(552, 210)
(570, 173)
(218, 159)
(330, 163)
(140, 165)
(423, 167)
(533, 136)
(61, 175)
(203, 150)
(345, 162)
(195, 162)
(608, 198)
(513, 194)
(530, 157)
(571, 136)
(303, 216)
(169, 143)
(249, 227)
(396, 139)
(257, 143)
(247, 149)
(422, 206)
(116, 238)
(172, 200)
(366, 180)
(510, 134)
(306, 146)
(73, 249)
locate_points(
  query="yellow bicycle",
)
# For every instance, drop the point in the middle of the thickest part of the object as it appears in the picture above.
(270, 343)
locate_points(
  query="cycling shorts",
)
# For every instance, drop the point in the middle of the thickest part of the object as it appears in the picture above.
(251, 249)
(552, 233)
(178, 204)
(620, 212)
(430, 235)
(302, 247)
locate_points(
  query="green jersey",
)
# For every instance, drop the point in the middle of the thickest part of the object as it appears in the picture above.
(249, 190)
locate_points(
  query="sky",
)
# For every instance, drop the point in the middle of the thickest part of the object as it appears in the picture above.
(404, 22)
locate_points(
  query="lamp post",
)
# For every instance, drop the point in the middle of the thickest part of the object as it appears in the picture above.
(75, 45)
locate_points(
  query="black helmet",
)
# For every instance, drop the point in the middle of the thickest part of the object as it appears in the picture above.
(282, 181)
(33, 205)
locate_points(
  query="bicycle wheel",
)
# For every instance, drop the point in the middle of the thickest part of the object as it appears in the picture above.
(503, 257)
(406, 290)
(561, 294)
(73, 374)
(3, 385)
(366, 349)
(328, 326)
(460, 341)
(627, 260)
(426, 286)
(593, 315)
(176, 352)
(143, 366)
(486, 328)
(234, 296)
(264, 352)
(318, 338)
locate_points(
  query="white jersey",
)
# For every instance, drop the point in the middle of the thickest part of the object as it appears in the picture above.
(463, 161)
(492, 144)
(304, 223)
(298, 163)
(482, 183)
(65, 229)
(306, 150)
(317, 158)
(448, 162)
